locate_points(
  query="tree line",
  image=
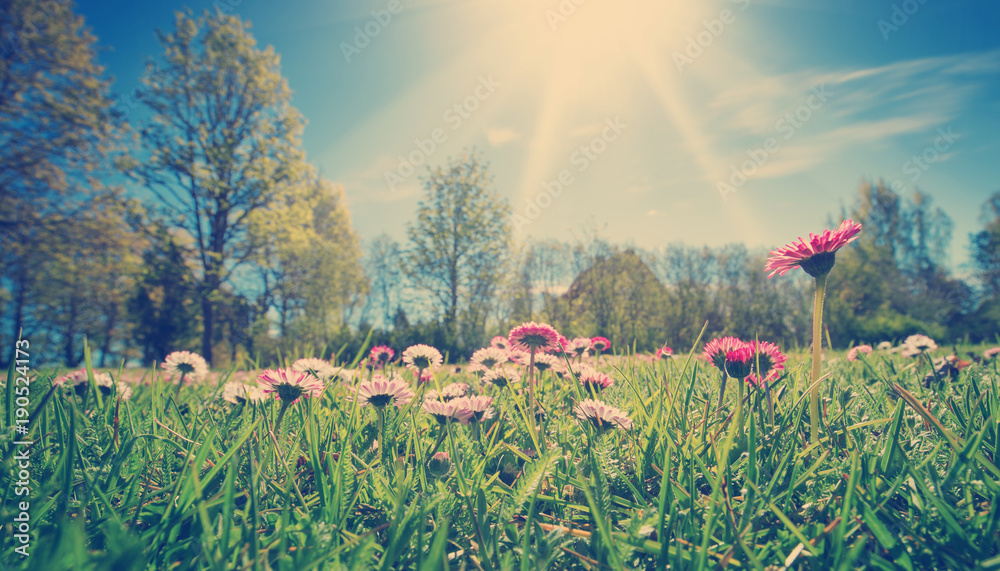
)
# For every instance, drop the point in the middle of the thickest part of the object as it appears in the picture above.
(185, 215)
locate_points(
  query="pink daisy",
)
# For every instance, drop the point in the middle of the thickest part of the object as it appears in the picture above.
(478, 408)
(444, 412)
(817, 256)
(487, 358)
(594, 380)
(289, 384)
(500, 378)
(382, 391)
(664, 353)
(538, 336)
(991, 353)
(602, 416)
(546, 361)
(768, 355)
(422, 357)
(600, 344)
(381, 355)
(579, 346)
(739, 362)
(500, 342)
(187, 366)
(449, 392)
(852, 355)
(716, 349)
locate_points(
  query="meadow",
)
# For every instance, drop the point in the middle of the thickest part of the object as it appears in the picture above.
(152, 472)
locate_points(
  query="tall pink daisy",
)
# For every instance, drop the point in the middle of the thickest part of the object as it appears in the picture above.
(767, 356)
(816, 257)
(533, 338)
(715, 352)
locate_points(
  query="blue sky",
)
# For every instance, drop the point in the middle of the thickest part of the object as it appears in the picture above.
(706, 122)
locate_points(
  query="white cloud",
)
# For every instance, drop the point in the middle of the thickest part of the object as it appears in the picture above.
(500, 135)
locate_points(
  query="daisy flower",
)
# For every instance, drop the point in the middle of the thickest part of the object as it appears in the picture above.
(579, 347)
(716, 349)
(382, 391)
(449, 392)
(594, 380)
(500, 378)
(500, 342)
(187, 366)
(77, 380)
(444, 412)
(603, 416)
(739, 362)
(422, 357)
(316, 367)
(236, 392)
(487, 358)
(768, 355)
(531, 336)
(600, 344)
(289, 385)
(917, 344)
(380, 355)
(852, 355)
(546, 361)
(884, 346)
(991, 353)
(478, 408)
(664, 353)
(816, 256)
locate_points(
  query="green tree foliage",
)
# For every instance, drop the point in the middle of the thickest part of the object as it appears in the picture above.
(309, 259)
(893, 281)
(63, 244)
(985, 247)
(222, 142)
(459, 245)
(163, 306)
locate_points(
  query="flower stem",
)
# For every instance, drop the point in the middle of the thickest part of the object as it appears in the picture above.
(281, 415)
(722, 389)
(531, 382)
(817, 350)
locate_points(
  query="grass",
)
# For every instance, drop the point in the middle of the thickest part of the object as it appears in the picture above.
(902, 477)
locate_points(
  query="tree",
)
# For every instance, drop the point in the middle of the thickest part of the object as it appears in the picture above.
(309, 256)
(57, 136)
(986, 248)
(385, 273)
(459, 244)
(163, 307)
(222, 142)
